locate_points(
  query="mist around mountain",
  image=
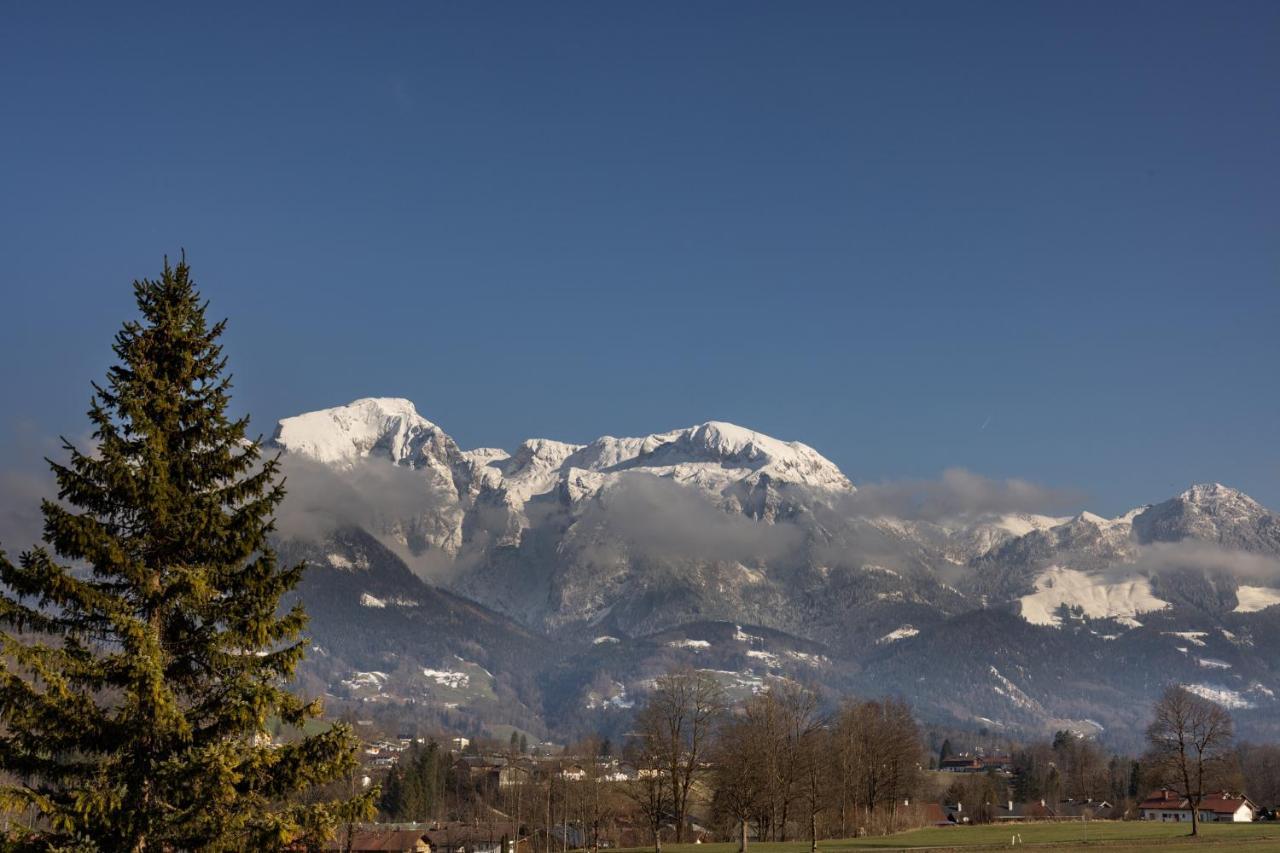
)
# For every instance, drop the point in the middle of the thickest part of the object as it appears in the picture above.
(546, 586)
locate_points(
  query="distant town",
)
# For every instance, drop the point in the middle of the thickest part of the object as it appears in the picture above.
(785, 767)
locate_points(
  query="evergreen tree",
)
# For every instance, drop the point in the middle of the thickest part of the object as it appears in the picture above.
(141, 669)
(414, 786)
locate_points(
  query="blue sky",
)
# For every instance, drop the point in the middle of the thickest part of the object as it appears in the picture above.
(1030, 239)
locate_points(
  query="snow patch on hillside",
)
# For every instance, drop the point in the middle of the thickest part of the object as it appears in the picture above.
(1006, 688)
(898, 634)
(452, 679)
(615, 700)
(1196, 638)
(1251, 599)
(1223, 696)
(806, 657)
(1095, 597)
(367, 600)
(367, 679)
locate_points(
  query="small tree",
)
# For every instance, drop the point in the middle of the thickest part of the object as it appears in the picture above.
(651, 789)
(139, 676)
(740, 783)
(1190, 740)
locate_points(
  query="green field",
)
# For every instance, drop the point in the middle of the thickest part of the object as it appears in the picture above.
(1112, 836)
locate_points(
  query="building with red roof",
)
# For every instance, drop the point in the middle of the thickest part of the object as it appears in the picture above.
(1170, 806)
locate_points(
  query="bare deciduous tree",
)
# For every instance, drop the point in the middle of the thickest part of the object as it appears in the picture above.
(674, 730)
(650, 790)
(739, 778)
(1260, 764)
(877, 752)
(1190, 740)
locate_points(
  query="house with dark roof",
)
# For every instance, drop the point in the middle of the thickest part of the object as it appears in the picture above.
(486, 837)
(380, 841)
(1012, 811)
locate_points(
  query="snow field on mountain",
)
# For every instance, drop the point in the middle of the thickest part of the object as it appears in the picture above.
(1096, 597)
(1251, 599)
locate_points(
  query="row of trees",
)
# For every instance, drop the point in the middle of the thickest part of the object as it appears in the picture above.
(1190, 751)
(784, 766)
(1071, 767)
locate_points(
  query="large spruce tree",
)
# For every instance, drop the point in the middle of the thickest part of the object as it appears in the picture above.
(146, 648)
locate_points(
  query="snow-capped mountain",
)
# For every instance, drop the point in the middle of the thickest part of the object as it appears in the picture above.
(717, 458)
(386, 428)
(715, 524)
(1211, 513)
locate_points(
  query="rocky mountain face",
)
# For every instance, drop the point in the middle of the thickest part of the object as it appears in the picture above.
(550, 584)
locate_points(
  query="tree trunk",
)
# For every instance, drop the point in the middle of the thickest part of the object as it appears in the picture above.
(742, 842)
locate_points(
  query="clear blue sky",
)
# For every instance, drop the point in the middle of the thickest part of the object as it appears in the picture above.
(873, 227)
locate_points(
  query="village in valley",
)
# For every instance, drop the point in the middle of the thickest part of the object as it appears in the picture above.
(488, 795)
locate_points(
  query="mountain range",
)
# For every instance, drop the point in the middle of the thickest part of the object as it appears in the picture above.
(545, 587)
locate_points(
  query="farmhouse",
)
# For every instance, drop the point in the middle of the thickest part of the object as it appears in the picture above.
(573, 773)
(369, 840)
(1012, 811)
(1166, 805)
(452, 837)
(974, 763)
(492, 770)
(463, 837)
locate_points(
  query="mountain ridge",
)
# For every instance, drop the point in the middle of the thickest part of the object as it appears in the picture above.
(643, 536)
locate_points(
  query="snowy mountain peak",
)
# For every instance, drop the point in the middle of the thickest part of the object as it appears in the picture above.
(1217, 495)
(731, 440)
(1211, 512)
(373, 426)
(1022, 523)
(1098, 521)
(730, 444)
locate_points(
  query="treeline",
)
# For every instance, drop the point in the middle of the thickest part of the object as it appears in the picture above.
(791, 765)
(784, 766)
(1190, 750)
(1075, 768)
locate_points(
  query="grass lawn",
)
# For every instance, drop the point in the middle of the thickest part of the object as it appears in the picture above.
(1112, 836)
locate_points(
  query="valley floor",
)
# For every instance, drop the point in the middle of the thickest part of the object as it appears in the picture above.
(1109, 836)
